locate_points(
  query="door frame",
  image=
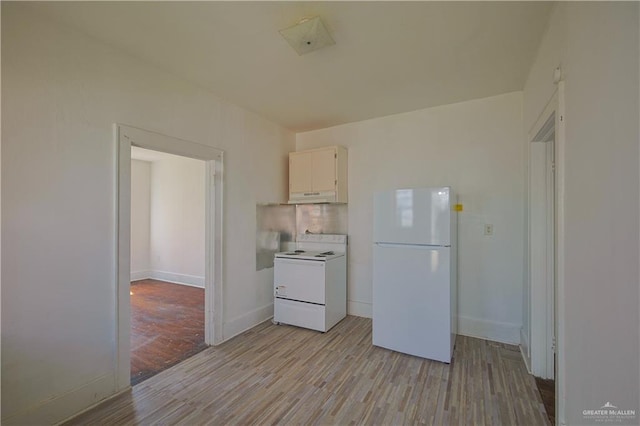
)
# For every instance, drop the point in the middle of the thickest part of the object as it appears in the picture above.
(542, 248)
(126, 136)
(555, 107)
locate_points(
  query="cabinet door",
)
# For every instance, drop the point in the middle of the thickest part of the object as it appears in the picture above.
(324, 170)
(300, 170)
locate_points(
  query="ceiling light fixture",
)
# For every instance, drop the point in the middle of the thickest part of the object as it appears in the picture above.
(308, 35)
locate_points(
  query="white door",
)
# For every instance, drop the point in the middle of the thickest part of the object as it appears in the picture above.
(413, 216)
(411, 300)
(542, 246)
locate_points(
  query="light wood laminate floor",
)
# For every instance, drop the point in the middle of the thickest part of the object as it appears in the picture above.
(287, 375)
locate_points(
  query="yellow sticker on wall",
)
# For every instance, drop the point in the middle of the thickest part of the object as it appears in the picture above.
(458, 207)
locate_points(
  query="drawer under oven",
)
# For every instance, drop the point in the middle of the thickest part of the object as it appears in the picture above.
(300, 314)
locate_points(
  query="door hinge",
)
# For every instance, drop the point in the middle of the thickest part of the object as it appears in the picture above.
(335, 155)
(562, 118)
(553, 167)
(553, 344)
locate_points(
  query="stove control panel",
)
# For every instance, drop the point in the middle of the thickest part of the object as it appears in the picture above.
(323, 238)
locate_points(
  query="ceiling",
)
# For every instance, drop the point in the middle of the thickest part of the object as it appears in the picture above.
(389, 57)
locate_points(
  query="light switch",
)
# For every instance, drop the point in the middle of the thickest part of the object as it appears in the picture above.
(488, 229)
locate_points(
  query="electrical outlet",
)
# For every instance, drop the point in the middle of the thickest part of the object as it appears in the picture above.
(488, 229)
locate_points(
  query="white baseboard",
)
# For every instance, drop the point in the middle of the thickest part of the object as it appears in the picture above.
(140, 275)
(489, 330)
(91, 407)
(359, 309)
(524, 348)
(172, 277)
(246, 321)
(62, 407)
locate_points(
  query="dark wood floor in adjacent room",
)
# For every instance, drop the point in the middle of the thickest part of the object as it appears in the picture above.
(547, 389)
(167, 326)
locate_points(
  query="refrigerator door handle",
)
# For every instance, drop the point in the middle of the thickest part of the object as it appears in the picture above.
(416, 246)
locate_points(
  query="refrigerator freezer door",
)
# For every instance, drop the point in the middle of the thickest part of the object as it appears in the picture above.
(413, 216)
(411, 300)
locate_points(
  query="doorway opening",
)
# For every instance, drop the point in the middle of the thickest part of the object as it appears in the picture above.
(130, 138)
(167, 260)
(543, 319)
(542, 275)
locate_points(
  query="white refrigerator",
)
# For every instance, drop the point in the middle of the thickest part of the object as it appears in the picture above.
(414, 272)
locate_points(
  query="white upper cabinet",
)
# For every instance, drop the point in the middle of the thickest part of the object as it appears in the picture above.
(318, 175)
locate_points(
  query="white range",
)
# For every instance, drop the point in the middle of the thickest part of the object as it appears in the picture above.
(310, 282)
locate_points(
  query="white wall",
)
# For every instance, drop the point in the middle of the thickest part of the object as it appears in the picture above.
(178, 220)
(597, 46)
(476, 148)
(167, 220)
(140, 219)
(61, 94)
(539, 89)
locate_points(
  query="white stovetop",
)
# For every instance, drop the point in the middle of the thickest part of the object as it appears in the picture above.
(313, 246)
